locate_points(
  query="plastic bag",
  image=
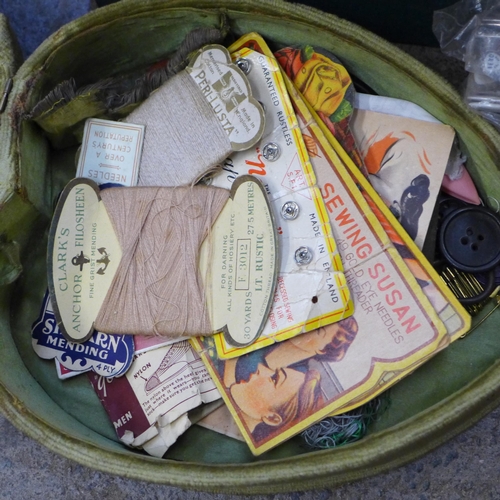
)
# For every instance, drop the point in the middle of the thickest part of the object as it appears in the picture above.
(470, 31)
(454, 26)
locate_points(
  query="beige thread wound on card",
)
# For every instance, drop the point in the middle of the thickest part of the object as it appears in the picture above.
(183, 138)
(157, 289)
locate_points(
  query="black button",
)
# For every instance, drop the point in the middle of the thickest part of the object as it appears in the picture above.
(469, 239)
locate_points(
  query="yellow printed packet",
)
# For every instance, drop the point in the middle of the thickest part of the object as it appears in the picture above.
(324, 135)
(311, 289)
(279, 390)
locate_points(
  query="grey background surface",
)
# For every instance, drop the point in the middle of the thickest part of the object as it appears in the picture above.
(466, 467)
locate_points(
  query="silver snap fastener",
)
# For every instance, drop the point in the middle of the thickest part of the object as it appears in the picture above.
(303, 256)
(245, 65)
(271, 151)
(290, 210)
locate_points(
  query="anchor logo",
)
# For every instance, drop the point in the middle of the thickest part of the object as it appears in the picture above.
(79, 260)
(103, 260)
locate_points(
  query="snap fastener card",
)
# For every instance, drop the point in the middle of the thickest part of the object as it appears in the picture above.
(110, 152)
(311, 290)
(106, 355)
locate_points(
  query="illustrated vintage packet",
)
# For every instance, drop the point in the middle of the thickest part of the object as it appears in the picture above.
(279, 390)
(311, 290)
(325, 83)
(353, 245)
(336, 133)
(406, 161)
(148, 405)
(450, 311)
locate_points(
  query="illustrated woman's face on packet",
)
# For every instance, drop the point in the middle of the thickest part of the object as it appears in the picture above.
(315, 342)
(265, 391)
(269, 379)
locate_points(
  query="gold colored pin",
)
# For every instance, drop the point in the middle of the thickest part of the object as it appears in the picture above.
(497, 299)
(464, 286)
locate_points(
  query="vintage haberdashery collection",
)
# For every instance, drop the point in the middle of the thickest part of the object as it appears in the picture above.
(252, 246)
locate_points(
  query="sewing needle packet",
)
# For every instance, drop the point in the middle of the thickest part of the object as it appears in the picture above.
(279, 390)
(111, 152)
(349, 222)
(332, 149)
(406, 161)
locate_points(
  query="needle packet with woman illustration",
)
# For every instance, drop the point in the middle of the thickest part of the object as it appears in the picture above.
(276, 392)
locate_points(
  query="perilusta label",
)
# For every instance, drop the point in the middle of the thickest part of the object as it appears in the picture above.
(83, 256)
(227, 90)
(241, 278)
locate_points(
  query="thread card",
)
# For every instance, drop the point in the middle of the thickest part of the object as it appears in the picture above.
(195, 119)
(111, 152)
(311, 288)
(151, 400)
(84, 256)
(101, 139)
(227, 90)
(239, 262)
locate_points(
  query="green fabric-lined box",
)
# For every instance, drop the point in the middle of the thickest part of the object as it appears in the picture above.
(447, 394)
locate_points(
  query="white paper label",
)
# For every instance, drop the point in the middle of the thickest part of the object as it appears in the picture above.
(111, 152)
(83, 256)
(241, 278)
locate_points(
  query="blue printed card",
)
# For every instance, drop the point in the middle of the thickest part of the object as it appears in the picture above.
(106, 355)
